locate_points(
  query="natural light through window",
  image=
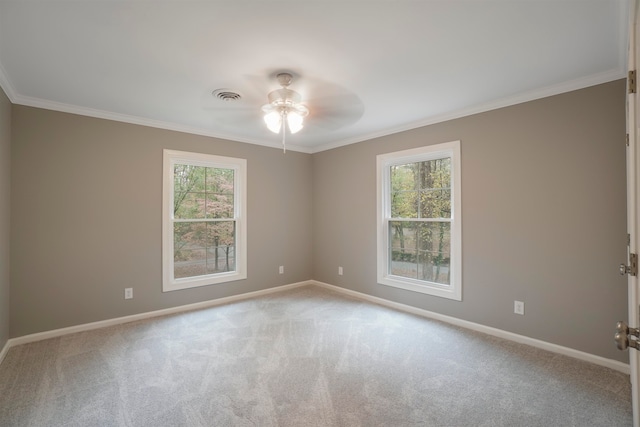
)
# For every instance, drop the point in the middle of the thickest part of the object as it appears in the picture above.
(419, 224)
(204, 217)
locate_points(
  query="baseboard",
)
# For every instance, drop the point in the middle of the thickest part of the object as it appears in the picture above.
(597, 360)
(132, 318)
(577, 354)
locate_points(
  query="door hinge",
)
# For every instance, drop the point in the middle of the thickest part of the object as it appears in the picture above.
(628, 239)
(627, 140)
(632, 268)
(631, 81)
(623, 334)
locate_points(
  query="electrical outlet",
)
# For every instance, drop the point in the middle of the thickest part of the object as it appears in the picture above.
(518, 307)
(128, 293)
(281, 269)
(339, 271)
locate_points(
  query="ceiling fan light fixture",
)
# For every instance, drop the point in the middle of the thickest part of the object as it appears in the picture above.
(273, 120)
(284, 107)
(294, 120)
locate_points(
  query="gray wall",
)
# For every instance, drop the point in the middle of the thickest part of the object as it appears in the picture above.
(543, 197)
(86, 219)
(5, 224)
(543, 218)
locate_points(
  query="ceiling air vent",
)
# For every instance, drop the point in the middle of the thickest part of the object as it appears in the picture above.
(226, 95)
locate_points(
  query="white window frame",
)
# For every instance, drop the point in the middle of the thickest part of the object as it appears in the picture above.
(170, 159)
(384, 162)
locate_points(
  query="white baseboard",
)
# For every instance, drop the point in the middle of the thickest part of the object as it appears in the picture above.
(613, 364)
(577, 354)
(132, 318)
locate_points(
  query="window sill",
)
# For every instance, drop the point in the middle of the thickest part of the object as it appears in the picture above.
(429, 288)
(214, 279)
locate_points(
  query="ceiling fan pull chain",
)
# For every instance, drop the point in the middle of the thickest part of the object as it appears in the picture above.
(284, 147)
(284, 132)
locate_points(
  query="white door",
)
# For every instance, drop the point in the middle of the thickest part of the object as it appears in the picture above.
(633, 162)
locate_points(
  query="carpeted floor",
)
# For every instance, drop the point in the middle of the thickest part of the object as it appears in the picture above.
(303, 357)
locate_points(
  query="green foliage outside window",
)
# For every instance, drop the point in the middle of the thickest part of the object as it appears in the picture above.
(421, 249)
(204, 227)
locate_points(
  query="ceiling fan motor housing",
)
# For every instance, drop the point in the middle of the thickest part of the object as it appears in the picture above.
(284, 97)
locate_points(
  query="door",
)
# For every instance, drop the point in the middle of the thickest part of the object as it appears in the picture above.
(633, 162)
(630, 336)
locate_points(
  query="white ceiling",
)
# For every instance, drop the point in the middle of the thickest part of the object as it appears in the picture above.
(365, 68)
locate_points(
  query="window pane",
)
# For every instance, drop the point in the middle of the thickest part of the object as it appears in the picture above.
(203, 192)
(421, 189)
(221, 241)
(189, 254)
(403, 260)
(219, 206)
(188, 205)
(189, 235)
(188, 178)
(435, 188)
(420, 250)
(435, 203)
(402, 235)
(434, 252)
(435, 173)
(190, 262)
(404, 195)
(403, 177)
(204, 248)
(403, 264)
(219, 180)
(404, 204)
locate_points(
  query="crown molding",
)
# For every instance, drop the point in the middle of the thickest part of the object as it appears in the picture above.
(142, 121)
(605, 77)
(6, 85)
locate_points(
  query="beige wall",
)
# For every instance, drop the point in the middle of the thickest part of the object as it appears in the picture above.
(5, 201)
(543, 197)
(86, 219)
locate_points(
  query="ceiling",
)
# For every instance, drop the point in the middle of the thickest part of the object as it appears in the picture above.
(364, 68)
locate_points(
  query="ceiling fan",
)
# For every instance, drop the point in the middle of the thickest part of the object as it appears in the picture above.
(284, 109)
(320, 106)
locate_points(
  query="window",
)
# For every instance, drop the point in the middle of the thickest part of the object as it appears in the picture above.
(419, 221)
(204, 220)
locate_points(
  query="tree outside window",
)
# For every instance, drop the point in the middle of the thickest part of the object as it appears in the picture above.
(204, 220)
(419, 221)
(421, 193)
(204, 226)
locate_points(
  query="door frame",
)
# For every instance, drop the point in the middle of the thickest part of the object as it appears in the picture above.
(633, 165)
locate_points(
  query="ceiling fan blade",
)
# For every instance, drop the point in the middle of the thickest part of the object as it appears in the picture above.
(231, 114)
(331, 106)
(335, 112)
(256, 87)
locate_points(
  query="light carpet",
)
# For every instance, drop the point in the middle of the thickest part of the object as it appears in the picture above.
(303, 357)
